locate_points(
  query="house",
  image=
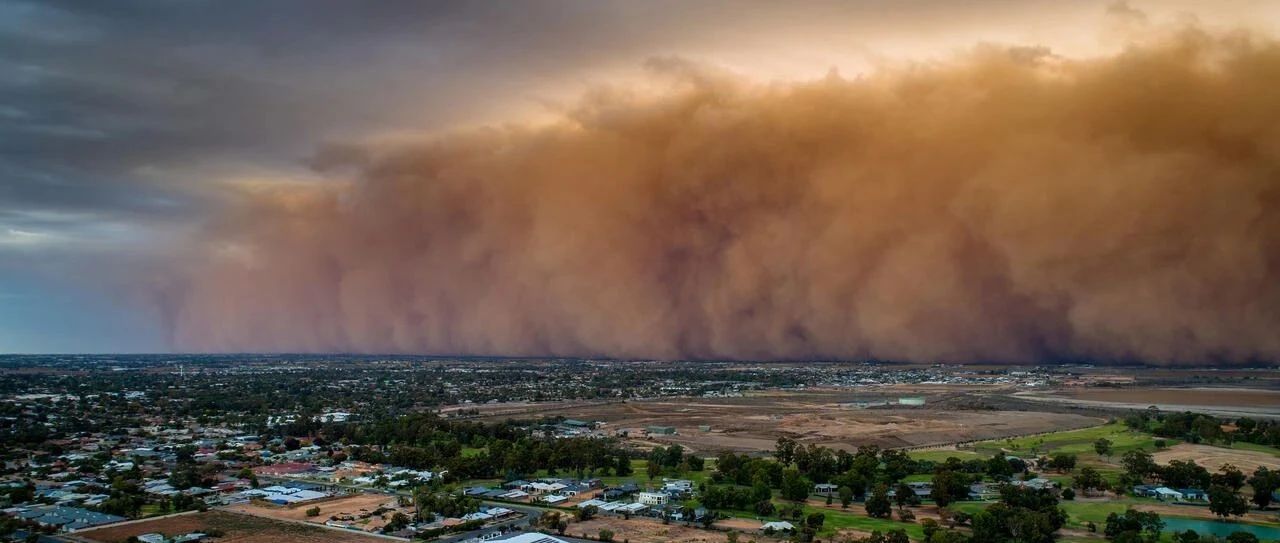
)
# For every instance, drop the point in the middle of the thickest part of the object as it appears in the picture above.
(553, 499)
(681, 485)
(1165, 493)
(922, 489)
(1145, 491)
(499, 512)
(67, 518)
(980, 491)
(652, 498)
(514, 495)
(825, 489)
(777, 526)
(1039, 483)
(539, 487)
(1194, 494)
(620, 492)
(662, 430)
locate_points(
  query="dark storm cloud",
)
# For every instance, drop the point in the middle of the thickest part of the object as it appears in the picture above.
(104, 104)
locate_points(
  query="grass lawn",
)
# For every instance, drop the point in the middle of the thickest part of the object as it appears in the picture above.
(943, 455)
(471, 452)
(1242, 446)
(858, 520)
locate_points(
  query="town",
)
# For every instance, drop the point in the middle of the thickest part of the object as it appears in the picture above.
(162, 450)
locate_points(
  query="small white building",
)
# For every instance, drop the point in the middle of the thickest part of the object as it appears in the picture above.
(651, 498)
(778, 526)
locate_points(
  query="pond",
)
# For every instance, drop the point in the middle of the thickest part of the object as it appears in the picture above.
(1219, 528)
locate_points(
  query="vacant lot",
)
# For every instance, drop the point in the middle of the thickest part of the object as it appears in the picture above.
(1213, 458)
(356, 508)
(825, 417)
(236, 528)
(646, 530)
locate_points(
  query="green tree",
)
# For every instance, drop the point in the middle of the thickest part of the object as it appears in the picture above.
(878, 505)
(846, 496)
(1229, 476)
(1242, 537)
(904, 496)
(1264, 482)
(949, 486)
(785, 450)
(999, 468)
(794, 486)
(1089, 479)
(1146, 526)
(1189, 536)
(1102, 446)
(1139, 463)
(1063, 462)
(1223, 501)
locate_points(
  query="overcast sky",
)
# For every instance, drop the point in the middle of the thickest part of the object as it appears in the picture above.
(123, 124)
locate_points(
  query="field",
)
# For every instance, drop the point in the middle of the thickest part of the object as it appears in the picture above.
(1221, 402)
(1213, 458)
(351, 507)
(1220, 397)
(825, 417)
(236, 528)
(1078, 442)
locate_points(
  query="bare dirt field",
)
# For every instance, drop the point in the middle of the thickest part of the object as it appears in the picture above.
(645, 530)
(236, 528)
(827, 417)
(1213, 458)
(1223, 397)
(347, 508)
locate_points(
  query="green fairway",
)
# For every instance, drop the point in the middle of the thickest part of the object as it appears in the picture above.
(1078, 442)
(942, 455)
(1242, 446)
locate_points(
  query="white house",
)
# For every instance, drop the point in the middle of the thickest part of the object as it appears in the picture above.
(651, 498)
